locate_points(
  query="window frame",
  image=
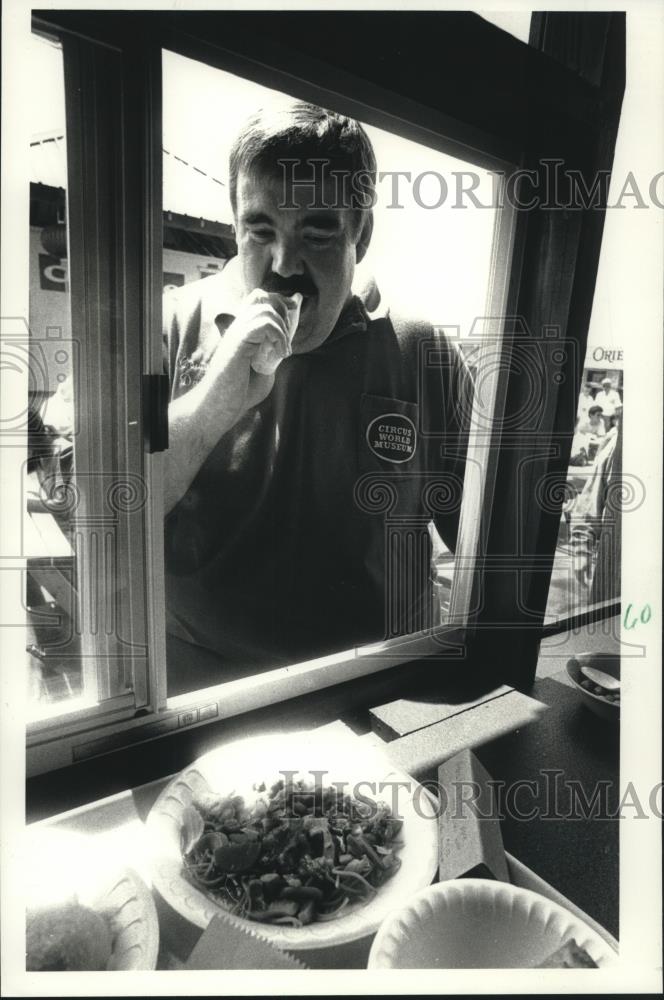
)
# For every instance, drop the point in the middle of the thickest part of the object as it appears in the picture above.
(461, 118)
(591, 49)
(100, 290)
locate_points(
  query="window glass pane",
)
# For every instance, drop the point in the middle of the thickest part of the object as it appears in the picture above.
(325, 516)
(73, 578)
(586, 570)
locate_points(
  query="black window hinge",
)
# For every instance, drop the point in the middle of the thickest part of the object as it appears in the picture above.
(155, 413)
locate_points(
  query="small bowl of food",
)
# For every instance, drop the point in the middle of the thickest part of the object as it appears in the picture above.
(481, 924)
(596, 677)
(84, 911)
(306, 841)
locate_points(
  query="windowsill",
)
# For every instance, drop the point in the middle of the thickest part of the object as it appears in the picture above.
(59, 709)
(243, 692)
(91, 780)
(305, 708)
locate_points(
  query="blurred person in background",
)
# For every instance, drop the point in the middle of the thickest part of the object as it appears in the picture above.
(593, 424)
(586, 400)
(608, 398)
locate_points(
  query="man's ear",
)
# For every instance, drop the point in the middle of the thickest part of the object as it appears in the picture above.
(364, 239)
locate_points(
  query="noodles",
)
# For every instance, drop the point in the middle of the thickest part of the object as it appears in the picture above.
(298, 854)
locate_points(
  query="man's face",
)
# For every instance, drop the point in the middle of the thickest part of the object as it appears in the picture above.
(310, 250)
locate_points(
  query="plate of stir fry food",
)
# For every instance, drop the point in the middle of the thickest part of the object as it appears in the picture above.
(309, 856)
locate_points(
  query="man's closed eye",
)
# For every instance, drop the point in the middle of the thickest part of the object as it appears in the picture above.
(320, 239)
(261, 235)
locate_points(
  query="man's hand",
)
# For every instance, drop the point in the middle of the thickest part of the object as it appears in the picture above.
(228, 389)
(262, 317)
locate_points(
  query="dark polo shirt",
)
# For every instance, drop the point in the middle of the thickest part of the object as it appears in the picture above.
(305, 531)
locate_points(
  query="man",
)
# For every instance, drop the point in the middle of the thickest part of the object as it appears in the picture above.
(585, 401)
(608, 398)
(593, 423)
(282, 488)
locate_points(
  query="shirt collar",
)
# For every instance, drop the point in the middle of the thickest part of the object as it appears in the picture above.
(355, 316)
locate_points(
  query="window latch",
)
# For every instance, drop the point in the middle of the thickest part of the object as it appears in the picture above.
(155, 413)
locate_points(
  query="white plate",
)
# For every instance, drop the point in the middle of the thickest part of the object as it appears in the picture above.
(129, 907)
(65, 864)
(480, 924)
(236, 766)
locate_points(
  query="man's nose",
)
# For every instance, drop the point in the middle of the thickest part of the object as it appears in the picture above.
(286, 258)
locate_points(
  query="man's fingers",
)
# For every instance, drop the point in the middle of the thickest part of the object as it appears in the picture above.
(266, 311)
(277, 336)
(279, 305)
(261, 321)
(273, 299)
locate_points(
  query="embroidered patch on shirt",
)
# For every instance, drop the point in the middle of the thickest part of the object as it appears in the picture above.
(191, 371)
(392, 437)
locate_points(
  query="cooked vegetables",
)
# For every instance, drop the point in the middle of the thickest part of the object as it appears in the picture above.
(298, 854)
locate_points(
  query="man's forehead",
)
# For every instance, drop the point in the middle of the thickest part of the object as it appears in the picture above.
(268, 193)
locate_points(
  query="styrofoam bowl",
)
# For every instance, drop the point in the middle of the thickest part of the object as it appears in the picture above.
(235, 766)
(65, 866)
(480, 924)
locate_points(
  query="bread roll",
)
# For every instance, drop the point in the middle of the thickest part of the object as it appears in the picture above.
(67, 937)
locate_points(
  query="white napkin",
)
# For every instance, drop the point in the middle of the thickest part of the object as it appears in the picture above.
(267, 358)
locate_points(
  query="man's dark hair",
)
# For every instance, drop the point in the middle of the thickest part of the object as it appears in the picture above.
(306, 132)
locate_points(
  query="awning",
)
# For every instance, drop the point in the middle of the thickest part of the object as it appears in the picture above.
(188, 190)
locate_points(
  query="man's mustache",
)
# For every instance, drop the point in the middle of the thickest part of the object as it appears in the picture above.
(288, 286)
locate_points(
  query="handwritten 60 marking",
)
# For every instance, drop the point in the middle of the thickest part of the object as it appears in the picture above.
(630, 620)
